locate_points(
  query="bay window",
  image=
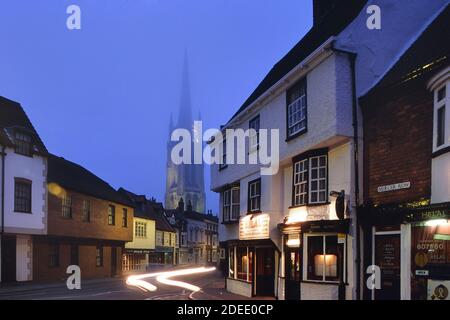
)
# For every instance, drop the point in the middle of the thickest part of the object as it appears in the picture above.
(324, 258)
(310, 180)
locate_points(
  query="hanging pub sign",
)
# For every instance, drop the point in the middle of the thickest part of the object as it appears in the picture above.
(254, 226)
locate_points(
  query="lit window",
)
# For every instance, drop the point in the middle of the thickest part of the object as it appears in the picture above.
(323, 258)
(141, 229)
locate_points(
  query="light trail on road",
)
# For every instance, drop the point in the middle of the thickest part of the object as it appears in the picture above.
(164, 277)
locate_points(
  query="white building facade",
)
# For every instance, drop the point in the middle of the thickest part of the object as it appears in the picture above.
(23, 186)
(292, 235)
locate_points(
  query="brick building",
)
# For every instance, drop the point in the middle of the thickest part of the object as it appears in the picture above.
(405, 224)
(88, 225)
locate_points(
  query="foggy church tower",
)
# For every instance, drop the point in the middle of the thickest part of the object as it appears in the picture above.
(186, 181)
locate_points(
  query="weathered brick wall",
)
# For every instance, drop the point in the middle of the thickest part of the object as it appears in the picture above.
(398, 132)
(97, 228)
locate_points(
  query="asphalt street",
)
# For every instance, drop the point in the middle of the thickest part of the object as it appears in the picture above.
(109, 289)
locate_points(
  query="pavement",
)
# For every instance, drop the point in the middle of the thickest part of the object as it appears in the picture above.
(212, 288)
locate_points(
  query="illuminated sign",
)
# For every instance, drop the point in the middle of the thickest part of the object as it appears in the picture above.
(254, 227)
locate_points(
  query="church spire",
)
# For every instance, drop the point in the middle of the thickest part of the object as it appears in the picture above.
(185, 112)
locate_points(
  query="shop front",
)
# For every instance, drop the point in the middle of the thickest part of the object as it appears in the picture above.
(252, 259)
(135, 260)
(410, 246)
(315, 255)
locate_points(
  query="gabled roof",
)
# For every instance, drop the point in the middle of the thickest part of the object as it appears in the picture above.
(13, 117)
(191, 214)
(331, 25)
(430, 52)
(148, 209)
(74, 177)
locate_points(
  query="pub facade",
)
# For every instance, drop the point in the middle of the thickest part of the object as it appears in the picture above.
(405, 217)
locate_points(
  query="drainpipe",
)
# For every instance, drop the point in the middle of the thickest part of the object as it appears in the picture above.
(2, 265)
(353, 56)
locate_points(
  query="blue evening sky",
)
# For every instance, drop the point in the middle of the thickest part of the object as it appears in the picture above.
(102, 96)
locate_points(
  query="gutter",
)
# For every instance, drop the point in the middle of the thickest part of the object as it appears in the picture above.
(3, 154)
(353, 56)
(2, 231)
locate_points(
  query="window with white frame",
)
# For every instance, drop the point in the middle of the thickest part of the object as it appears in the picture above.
(223, 163)
(231, 204)
(324, 258)
(254, 196)
(310, 179)
(254, 134)
(296, 109)
(441, 117)
(300, 182)
(140, 229)
(318, 179)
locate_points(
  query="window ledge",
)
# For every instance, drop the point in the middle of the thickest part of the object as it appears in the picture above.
(310, 205)
(230, 222)
(26, 212)
(336, 283)
(254, 212)
(296, 135)
(222, 167)
(440, 152)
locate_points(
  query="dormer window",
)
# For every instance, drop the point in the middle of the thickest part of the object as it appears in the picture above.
(23, 143)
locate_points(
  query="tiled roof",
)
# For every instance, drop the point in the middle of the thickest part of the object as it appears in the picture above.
(428, 53)
(74, 177)
(148, 209)
(13, 117)
(331, 25)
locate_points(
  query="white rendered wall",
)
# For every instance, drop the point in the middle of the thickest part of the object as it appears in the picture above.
(34, 169)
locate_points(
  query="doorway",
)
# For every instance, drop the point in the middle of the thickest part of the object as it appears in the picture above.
(265, 272)
(386, 255)
(113, 261)
(292, 274)
(74, 255)
(8, 259)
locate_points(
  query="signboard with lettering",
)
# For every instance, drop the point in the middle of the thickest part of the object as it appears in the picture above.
(253, 227)
(395, 186)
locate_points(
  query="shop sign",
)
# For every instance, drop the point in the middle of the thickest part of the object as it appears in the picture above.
(428, 214)
(395, 186)
(253, 227)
